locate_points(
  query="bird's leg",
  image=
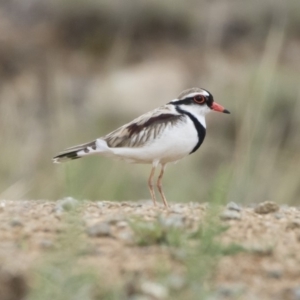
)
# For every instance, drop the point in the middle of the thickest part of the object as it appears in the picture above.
(150, 184)
(159, 186)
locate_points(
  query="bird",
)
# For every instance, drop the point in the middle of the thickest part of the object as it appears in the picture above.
(158, 137)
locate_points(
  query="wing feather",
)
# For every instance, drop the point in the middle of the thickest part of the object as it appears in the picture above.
(147, 127)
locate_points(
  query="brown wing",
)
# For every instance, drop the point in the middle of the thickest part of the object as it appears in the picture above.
(147, 127)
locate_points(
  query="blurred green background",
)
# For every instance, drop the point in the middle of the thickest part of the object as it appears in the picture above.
(72, 71)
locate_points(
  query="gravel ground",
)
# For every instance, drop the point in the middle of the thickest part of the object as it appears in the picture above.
(269, 269)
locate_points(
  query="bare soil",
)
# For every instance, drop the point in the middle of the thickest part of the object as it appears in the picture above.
(269, 270)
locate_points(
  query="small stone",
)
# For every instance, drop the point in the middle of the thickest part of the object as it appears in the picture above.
(175, 221)
(293, 224)
(126, 236)
(231, 291)
(156, 290)
(122, 224)
(177, 208)
(266, 207)
(101, 204)
(230, 215)
(114, 219)
(66, 204)
(277, 274)
(278, 216)
(99, 230)
(262, 250)
(233, 206)
(46, 244)
(16, 223)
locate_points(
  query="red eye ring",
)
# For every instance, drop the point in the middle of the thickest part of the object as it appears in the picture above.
(200, 99)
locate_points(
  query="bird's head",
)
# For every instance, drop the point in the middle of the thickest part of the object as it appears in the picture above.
(198, 99)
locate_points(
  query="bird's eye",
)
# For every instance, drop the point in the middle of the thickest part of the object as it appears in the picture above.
(200, 99)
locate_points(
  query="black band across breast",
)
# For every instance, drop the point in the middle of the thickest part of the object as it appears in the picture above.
(199, 127)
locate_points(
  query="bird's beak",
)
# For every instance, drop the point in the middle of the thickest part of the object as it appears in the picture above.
(220, 108)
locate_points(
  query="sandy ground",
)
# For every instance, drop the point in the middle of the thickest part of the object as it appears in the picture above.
(270, 269)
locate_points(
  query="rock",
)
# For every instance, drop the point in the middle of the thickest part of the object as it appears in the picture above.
(46, 244)
(99, 229)
(126, 236)
(122, 224)
(155, 290)
(266, 207)
(230, 291)
(16, 223)
(175, 221)
(115, 219)
(230, 215)
(277, 274)
(177, 210)
(262, 250)
(293, 224)
(101, 204)
(233, 206)
(66, 204)
(278, 216)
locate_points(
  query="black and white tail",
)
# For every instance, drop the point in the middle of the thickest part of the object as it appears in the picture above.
(79, 151)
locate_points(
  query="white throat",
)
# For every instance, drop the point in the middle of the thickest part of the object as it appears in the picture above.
(197, 111)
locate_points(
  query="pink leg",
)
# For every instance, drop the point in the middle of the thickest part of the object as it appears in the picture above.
(150, 184)
(159, 186)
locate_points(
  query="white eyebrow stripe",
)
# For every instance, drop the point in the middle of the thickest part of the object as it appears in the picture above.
(205, 93)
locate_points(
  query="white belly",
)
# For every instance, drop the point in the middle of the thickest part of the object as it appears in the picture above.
(173, 144)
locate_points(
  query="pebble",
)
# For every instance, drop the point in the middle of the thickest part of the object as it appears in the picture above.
(155, 290)
(122, 224)
(175, 221)
(230, 215)
(99, 229)
(16, 223)
(66, 204)
(46, 244)
(101, 204)
(278, 216)
(233, 206)
(276, 274)
(293, 224)
(115, 219)
(177, 208)
(126, 236)
(261, 250)
(231, 291)
(266, 207)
